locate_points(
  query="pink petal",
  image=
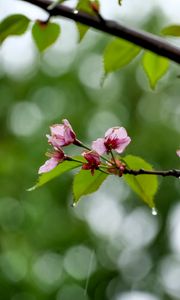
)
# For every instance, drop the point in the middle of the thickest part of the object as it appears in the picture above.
(48, 166)
(69, 136)
(117, 138)
(61, 134)
(121, 133)
(57, 129)
(116, 132)
(56, 142)
(109, 131)
(178, 152)
(92, 157)
(66, 123)
(124, 143)
(99, 146)
(59, 155)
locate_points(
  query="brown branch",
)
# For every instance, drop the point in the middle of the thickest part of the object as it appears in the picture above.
(174, 172)
(143, 39)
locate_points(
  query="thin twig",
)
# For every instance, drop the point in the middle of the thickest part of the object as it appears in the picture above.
(113, 158)
(143, 39)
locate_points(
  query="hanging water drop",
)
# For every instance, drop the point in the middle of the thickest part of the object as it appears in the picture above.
(74, 204)
(75, 11)
(154, 211)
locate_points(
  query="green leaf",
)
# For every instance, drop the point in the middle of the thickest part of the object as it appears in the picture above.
(84, 183)
(145, 186)
(155, 67)
(55, 3)
(13, 25)
(59, 170)
(82, 29)
(84, 5)
(119, 53)
(45, 34)
(173, 30)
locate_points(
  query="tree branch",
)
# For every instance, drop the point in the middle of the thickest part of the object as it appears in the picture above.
(143, 39)
(174, 173)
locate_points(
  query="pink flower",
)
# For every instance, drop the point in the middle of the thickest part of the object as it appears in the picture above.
(178, 152)
(61, 135)
(56, 158)
(99, 146)
(93, 161)
(116, 138)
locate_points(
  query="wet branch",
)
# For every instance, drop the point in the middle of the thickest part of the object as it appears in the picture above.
(174, 172)
(127, 170)
(143, 39)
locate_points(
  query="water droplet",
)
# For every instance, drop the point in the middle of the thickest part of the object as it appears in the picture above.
(75, 11)
(74, 204)
(154, 211)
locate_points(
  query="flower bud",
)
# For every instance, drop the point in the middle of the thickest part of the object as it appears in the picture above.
(93, 161)
(61, 135)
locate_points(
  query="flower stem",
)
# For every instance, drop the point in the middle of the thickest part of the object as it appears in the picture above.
(80, 144)
(113, 158)
(104, 167)
(72, 159)
(104, 171)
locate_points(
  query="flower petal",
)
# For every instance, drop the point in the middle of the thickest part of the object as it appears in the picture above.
(116, 132)
(99, 146)
(49, 165)
(61, 134)
(57, 129)
(124, 143)
(92, 157)
(121, 133)
(178, 152)
(109, 131)
(116, 138)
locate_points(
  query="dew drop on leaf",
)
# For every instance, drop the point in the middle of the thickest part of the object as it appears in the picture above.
(154, 211)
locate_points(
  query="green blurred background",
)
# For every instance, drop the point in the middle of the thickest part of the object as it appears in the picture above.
(110, 246)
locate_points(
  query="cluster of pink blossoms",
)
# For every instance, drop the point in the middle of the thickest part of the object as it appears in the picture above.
(116, 138)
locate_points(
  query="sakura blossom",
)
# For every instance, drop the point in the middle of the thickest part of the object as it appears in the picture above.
(93, 161)
(116, 138)
(61, 135)
(56, 158)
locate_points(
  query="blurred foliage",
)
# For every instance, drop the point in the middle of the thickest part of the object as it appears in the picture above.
(109, 246)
